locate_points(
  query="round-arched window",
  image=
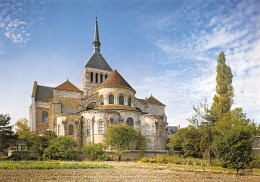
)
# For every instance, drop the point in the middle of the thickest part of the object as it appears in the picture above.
(45, 117)
(101, 127)
(147, 130)
(130, 122)
(111, 99)
(71, 130)
(101, 100)
(121, 100)
(129, 101)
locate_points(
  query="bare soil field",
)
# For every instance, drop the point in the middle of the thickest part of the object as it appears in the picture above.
(124, 171)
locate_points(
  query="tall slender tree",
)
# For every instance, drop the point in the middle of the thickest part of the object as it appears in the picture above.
(223, 99)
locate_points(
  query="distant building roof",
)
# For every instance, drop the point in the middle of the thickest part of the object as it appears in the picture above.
(152, 100)
(115, 79)
(67, 86)
(98, 61)
(43, 93)
(170, 130)
(141, 100)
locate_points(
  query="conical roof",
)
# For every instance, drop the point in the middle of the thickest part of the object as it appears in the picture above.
(115, 79)
(68, 86)
(152, 100)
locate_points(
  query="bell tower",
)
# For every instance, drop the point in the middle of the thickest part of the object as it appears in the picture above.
(97, 69)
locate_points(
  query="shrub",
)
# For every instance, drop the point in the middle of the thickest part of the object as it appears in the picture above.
(145, 160)
(95, 151)
(61, 148)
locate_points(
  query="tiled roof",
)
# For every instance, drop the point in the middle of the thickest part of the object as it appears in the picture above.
(115, 79)
(43, 93)
(98, 61)
(68, 86)
(115, 107)
(152, 100)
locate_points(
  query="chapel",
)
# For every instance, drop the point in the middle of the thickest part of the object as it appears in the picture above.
(106, 98)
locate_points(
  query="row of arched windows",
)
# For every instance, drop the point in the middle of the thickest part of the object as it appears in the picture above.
(96, 76)
(101, 127)
(111, 100)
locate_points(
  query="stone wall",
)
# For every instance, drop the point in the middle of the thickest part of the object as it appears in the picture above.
(88, 87)
(40, 107)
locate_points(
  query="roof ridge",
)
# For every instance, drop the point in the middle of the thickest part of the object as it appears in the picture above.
(67, 86)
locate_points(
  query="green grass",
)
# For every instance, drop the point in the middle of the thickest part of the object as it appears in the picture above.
(48, 165)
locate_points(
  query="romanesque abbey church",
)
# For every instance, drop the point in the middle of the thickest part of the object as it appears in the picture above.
(106, 98)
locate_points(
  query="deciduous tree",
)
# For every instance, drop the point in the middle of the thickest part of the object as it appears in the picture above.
(120, 137)
(223, 99)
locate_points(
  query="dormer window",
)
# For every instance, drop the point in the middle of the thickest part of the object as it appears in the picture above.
(111, 99)
(121, 100)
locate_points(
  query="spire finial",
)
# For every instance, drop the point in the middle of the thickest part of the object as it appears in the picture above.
(96, 42)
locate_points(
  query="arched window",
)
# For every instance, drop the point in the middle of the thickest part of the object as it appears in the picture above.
(130, 122)
(147, 130)
(129, 101)
(96, 78)
(101, 127)
(121, 100)
(71, 129)
(111, 99)
(88, 128)
(101, 78)
(106, 77)
(45, 117)
(92, 77)
(101, 100)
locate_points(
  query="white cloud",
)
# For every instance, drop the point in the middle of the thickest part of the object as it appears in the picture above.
(12, 26)
(237, 34)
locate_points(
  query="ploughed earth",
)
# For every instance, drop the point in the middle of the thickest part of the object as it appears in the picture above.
(126, 171)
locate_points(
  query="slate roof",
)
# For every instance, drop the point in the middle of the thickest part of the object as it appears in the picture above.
(141, 100)
(152, 100)
(43, 93)
(115, 79)
(68, 86)
(98, 61)
(115, 107)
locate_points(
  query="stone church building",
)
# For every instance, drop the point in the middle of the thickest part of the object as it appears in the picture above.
(106, 98)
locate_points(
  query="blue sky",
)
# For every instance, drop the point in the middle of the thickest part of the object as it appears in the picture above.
(164, 48)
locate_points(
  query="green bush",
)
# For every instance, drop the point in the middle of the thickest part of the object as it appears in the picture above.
(61, 148)
(21, 155)
(95, 151)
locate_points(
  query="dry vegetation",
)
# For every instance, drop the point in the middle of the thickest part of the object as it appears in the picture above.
(129, 171)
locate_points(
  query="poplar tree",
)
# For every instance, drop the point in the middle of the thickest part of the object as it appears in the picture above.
(223, 99)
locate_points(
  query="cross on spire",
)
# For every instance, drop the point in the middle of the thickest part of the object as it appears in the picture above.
(96, 42)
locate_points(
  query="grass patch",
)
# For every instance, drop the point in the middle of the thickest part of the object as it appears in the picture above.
(48, 165)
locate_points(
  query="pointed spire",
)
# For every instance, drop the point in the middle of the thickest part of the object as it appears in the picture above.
(96, 42)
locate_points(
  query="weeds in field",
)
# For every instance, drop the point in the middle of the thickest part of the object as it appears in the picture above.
(162, 159)
(48, 165)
